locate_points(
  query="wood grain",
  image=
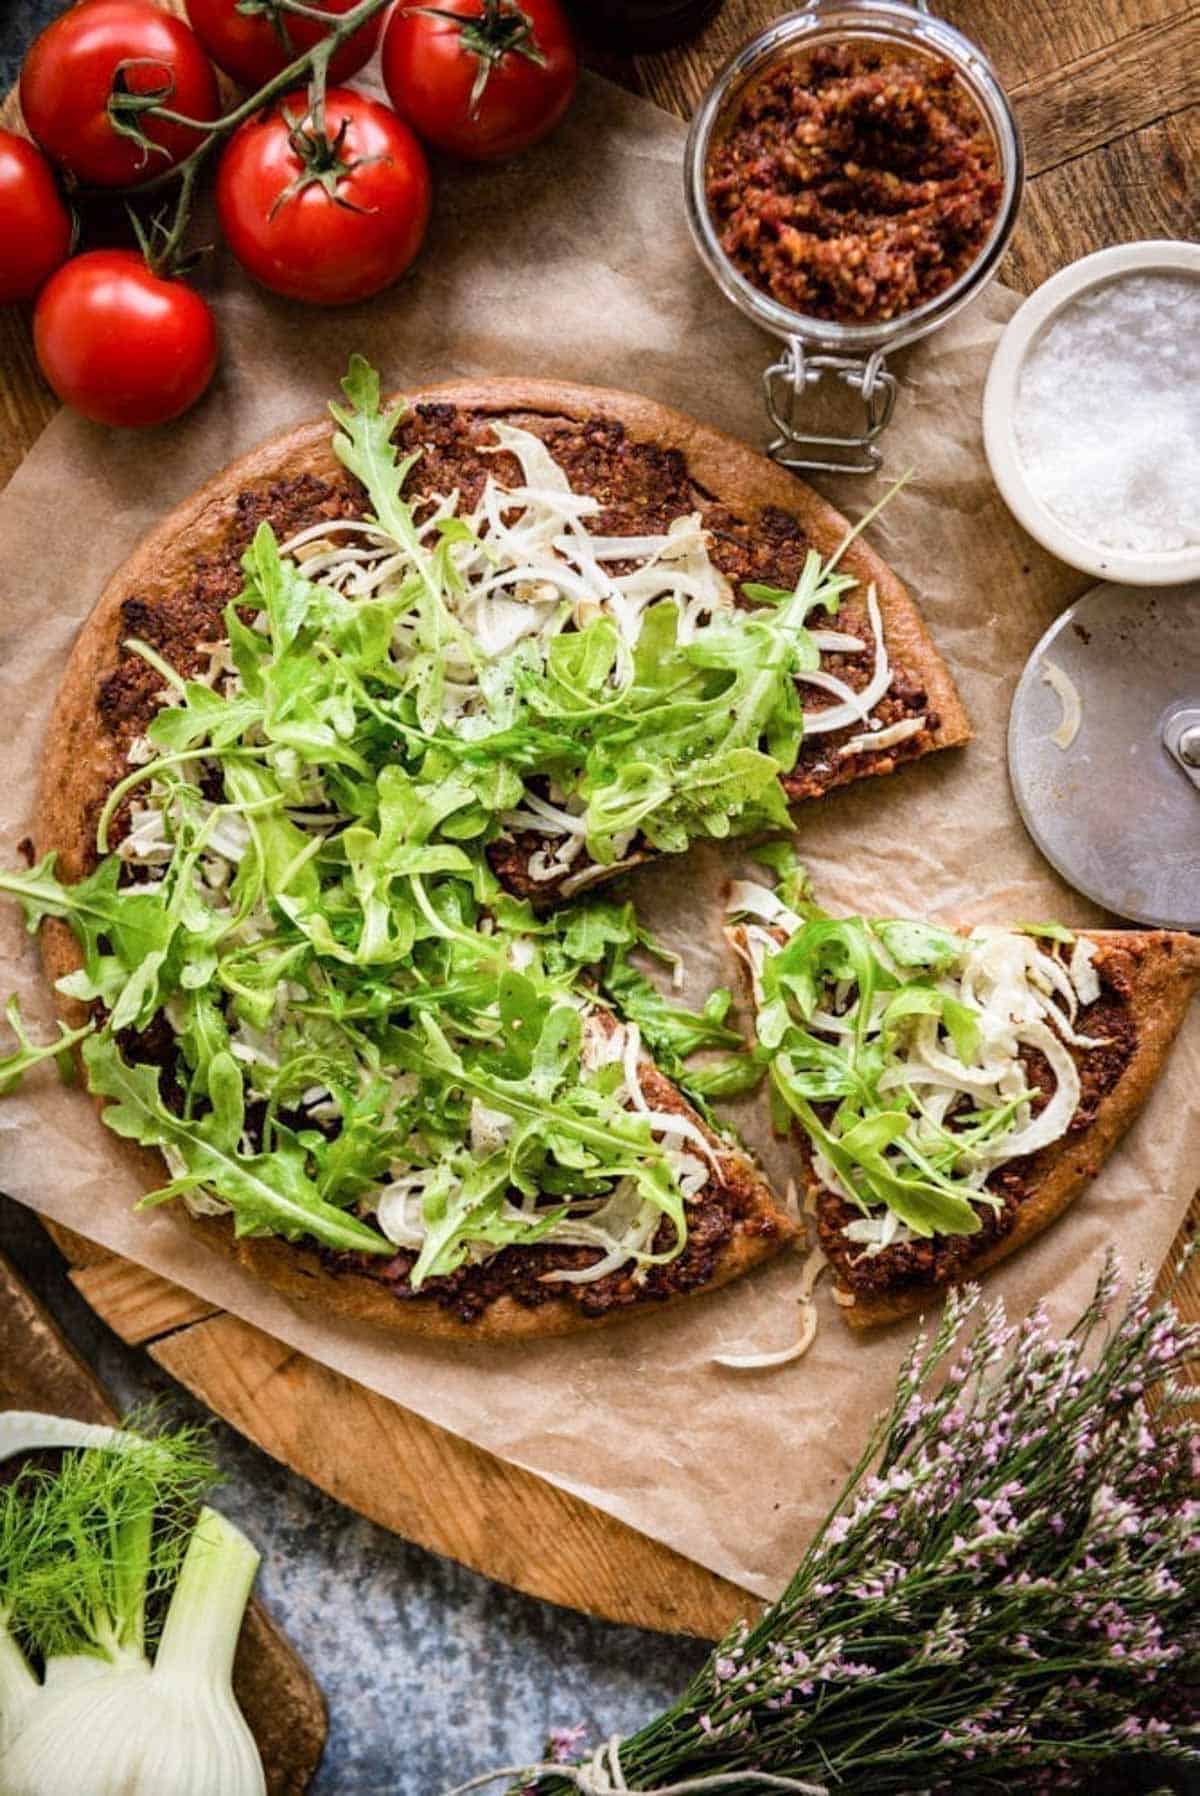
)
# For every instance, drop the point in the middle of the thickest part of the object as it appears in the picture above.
(384, 1462)
(1110, 93)
(1159, 165)
(40, 1370)
(136, 1303)
(1106, 92)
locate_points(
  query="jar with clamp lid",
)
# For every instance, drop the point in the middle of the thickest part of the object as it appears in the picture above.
(853, 176)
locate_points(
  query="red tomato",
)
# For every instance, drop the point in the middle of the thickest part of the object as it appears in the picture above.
(488, 86)
(327, 218)
(35, 226)
(121, 344)
(253, 47)
(68, 76)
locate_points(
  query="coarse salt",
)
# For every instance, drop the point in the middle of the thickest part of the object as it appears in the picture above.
(1108, 414)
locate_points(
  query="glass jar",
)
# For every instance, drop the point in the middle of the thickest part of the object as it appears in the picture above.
(816, 349)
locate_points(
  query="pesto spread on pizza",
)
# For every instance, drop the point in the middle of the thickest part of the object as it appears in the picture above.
(330, 769)
(953, 1089)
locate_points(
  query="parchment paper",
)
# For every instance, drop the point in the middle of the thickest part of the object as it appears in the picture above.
(576, 262)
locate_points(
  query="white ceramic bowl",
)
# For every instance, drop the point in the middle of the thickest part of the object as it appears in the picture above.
(1165, 567)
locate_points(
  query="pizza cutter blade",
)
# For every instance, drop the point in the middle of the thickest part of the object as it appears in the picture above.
(1117, 810)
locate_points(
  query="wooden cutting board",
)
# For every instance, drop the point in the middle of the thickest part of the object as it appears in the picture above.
(278, 1696)
(1106, 92)
(385, 1462)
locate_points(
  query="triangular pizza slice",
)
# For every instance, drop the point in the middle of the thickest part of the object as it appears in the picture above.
(952, 1090)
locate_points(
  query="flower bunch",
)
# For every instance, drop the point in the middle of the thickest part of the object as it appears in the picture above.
(1008, 1587)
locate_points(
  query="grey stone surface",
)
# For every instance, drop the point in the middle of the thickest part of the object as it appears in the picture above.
(20, 21)
(431, 1673)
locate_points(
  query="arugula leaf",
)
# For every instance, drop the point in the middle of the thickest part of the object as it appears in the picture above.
(726, 1076)
(858, 1157)
(267, 1193)
(671, 1032)
(792, 882)
(918, 944)
(29, 1053)
(839, 1005)
(1054, 932)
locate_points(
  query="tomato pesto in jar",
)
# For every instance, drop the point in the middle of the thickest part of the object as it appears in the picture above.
(854, 182)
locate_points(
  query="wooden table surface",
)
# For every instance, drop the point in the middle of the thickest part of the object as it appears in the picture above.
(1107, 93)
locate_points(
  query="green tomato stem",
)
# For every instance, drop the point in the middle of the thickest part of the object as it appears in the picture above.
(294, 75)
(311, 69)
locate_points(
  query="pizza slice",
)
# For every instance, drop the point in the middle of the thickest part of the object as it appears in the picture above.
(374, 1078)
(952, 1091)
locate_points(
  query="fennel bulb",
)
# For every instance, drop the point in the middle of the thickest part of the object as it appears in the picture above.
(85, 1554)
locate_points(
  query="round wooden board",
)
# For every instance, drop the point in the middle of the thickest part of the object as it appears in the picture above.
(1106, 96)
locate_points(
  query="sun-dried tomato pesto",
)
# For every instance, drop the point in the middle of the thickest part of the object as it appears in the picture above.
(854, 182)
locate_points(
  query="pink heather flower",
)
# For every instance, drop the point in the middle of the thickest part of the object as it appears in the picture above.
(564, 1743)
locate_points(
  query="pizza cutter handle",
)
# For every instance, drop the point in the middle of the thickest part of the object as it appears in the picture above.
(786, 385)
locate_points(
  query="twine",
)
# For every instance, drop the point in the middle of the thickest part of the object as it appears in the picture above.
(602, 1775)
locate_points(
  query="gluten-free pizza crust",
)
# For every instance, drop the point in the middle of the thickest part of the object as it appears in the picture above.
(648, 465)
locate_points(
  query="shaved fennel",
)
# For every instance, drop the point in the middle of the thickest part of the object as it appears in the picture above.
(89, 1556)
(911, 1055)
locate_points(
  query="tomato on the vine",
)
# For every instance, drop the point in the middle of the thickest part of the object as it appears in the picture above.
(68, 77)
(122, 344)
(480, 78)
(35, 226)
(251, 47)
(326, 215)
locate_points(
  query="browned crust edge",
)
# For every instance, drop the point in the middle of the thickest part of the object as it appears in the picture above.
(1167, 978)
(299, 1273)
(79, 768)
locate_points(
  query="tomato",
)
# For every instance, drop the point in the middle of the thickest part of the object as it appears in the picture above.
(329, 217)
(68, 76)
(254, 46)
(35, 226)
(488, 86)
(120, 343)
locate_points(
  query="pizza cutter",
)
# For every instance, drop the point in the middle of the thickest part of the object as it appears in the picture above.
(1104, 750)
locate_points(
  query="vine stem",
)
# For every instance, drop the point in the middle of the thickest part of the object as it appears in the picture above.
(310, 69)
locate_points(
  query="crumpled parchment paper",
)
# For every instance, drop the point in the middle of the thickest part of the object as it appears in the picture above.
(575, 262)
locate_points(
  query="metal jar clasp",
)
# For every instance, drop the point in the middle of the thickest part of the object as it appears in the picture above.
(786, 385)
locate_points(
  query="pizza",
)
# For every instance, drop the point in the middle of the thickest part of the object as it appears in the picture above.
(951, 1091)
(338, 769)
